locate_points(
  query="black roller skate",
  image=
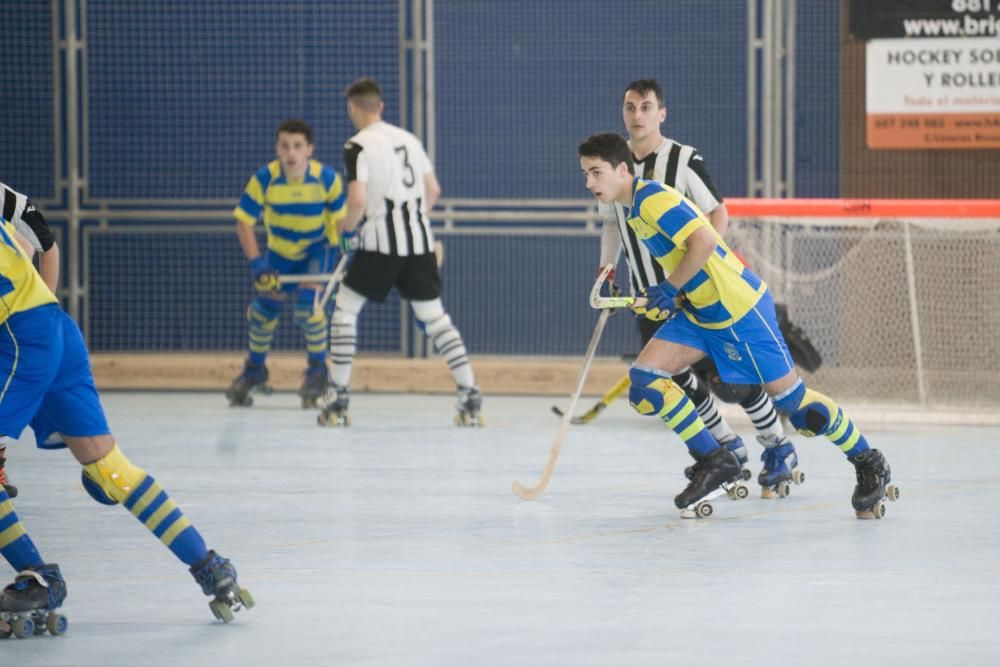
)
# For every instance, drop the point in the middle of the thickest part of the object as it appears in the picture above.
(716, 474)
(27, 606)
(333, 407)
(470, 402)
(739, 450)
(313, 384)
(217, 576)
(873, 485)
(4, 482)
(778, 470)
(252, 379)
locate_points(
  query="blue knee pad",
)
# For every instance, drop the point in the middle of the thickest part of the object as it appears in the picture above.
(809, 412)
(95, 491)
(262, 310)
(645, 394)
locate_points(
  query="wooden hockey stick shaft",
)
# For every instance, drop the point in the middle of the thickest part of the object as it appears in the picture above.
(530, 493)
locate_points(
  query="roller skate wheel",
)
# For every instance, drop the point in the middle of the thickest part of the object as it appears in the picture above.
(783, 489)
(704, 510)
(768, 493)
(741, 492)
(221, 610)
(892, 492)
(57, 624)
(245, 598)
(23, 627)
(5, 630)
(798, 477)
(688, 514)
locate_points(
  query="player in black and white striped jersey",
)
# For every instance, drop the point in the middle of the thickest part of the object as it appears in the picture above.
(682, 167)
(21, 211)
(391, 187)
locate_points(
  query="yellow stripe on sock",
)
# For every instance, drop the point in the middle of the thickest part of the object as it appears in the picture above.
(175, 530)
(853, 440)
(166, 508)
(692, 430)
(11, 534)
(680, 416)
(147, 498)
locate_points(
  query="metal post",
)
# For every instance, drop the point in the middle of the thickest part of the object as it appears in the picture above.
(753, 46)
(73, 258)
(911, 288)
(789, 53)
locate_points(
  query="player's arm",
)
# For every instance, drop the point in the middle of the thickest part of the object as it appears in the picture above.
(700, 245)
(433, 188)
(356, 171)
(702, 191)
(719, 217)
(247, 212)
(37, 231)
(248, 240)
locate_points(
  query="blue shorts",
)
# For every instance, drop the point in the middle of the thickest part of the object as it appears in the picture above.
(751, 351)
(320, 258)
(45, 378)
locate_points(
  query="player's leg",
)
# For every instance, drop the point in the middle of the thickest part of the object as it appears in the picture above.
(653, 392)
(420, 282)
(5, 483)
(370, 276)
(314, 324)
(262, 318)
(71, 413)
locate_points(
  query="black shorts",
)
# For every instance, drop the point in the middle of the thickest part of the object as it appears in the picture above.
(372, 275)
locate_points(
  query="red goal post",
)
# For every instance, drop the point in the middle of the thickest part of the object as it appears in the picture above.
(900, 296)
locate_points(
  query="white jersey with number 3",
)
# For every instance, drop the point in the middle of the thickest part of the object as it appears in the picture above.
(392, 163)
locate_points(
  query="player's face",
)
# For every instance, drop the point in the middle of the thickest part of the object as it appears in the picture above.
(605, 182)
(642, 115)
(294, 152)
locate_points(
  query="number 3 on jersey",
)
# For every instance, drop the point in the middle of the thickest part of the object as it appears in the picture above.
(409, 178)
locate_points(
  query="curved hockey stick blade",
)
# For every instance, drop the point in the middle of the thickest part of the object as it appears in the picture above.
(585, 418)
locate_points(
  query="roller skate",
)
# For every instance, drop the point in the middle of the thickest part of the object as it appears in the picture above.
(313, 384)
(217, 576)
(739, 450)
(27, 606)
(252, 379)
(873, 485)
(4, 482)
(712, 476)
(470, 402)
(333, 407)
(778, 471)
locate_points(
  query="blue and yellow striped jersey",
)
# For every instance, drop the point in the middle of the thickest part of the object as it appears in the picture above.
(724, 289)
(21, 287)
(296, 215)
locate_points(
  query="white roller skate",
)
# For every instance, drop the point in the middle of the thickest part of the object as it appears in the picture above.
(27, 606)
(712, 476)
(778, 471)
(333, 407)
(470, 403)
(217, 576)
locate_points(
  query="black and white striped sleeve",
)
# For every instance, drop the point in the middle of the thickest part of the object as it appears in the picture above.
(352, 152)
(699, 187)
(19, 210)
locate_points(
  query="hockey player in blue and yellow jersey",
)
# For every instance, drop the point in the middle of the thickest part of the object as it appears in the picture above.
(45, 382)
(300, 201)
(712, 304)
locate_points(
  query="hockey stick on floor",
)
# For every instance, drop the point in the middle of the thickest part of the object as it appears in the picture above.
(533, 492)
(607, 399)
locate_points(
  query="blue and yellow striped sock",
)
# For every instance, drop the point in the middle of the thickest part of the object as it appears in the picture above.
(654, 393)
(15, 545)
(314, 326)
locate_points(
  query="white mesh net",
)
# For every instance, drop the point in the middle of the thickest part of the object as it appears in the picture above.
(903, 311)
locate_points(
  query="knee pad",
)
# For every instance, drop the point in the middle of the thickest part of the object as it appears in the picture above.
(428, 314)
(342, 317)
(734, 393)
(810, 412)
(648, 390)
(111, 479)
(263, 311)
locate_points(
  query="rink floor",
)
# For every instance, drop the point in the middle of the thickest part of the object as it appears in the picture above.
(399, 542)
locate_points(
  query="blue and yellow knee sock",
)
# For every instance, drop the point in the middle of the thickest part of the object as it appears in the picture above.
(262, 315)
(652, 392)
(812, 414)
(314, 326)
(15, 545)
(114, 479)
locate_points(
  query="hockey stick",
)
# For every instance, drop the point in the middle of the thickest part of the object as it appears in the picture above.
(607, 399)
(533, 492)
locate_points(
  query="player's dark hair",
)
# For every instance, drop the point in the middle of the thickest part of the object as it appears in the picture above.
(365, 93)
(645, 87)
(609, 147)
(295, 126)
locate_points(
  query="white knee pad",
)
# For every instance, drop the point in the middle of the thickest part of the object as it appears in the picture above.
(428, 311)
(349, 301)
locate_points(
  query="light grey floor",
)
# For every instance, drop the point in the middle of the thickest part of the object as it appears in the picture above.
(399, 542)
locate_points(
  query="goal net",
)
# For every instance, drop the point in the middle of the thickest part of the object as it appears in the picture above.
(901, 298)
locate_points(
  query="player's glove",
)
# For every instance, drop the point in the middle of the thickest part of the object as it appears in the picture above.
(265, 278)
(662, 301)
(348, 241)
(609, 287)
